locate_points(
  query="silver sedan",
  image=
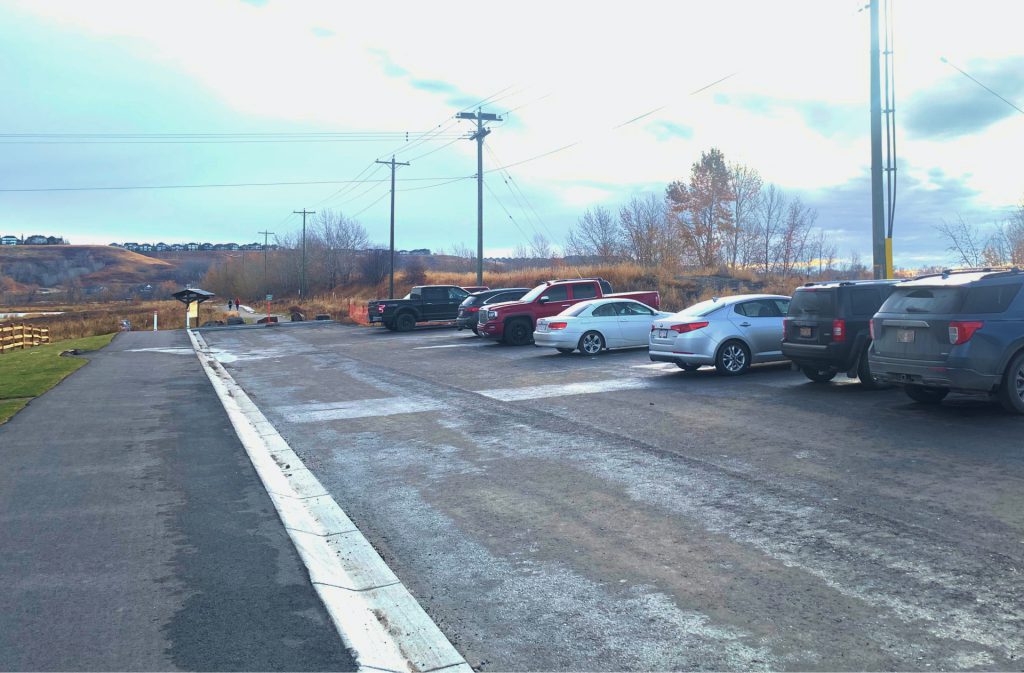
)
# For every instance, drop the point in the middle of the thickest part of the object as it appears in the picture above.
(730, 333)
(595, 325)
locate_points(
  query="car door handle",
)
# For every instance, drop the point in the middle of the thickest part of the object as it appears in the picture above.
(744, 324)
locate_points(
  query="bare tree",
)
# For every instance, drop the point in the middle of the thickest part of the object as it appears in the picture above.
(646, 235)
(792, 249)
(771, 207)
(964, 240)
(595, 235)
(745, 184)
(335, 241)
(375, 265)
(540, 247)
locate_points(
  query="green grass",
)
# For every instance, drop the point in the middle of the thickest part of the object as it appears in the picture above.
(31, 372)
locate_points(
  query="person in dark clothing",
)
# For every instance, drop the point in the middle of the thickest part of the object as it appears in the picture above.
(229, 304)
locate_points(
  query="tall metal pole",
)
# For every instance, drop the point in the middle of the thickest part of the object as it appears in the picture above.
(391, 273)
(302, 282)
(481, 132)
(877, 194)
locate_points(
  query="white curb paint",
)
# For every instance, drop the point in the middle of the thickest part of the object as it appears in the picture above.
(376, 616)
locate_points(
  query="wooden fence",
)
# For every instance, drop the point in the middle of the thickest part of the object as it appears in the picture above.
(21, 336)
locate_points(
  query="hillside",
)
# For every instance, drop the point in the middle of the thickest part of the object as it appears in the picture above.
(87, 269)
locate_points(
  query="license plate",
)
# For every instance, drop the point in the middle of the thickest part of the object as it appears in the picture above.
(663, 334)
(805, 332)
(905, 336)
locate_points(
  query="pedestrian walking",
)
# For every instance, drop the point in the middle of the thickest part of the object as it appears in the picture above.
(238, 304)
(229, 304)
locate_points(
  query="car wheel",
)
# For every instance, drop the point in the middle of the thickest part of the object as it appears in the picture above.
(687, 367)
(476, 331)
(405, 322)
(565, 351)
(1011, 392)
(518, 333)
(733, 358)
(867, 381)
(819, 375)
(926, 394)
(591, 343)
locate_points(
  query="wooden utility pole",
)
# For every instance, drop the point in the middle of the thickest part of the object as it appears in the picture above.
(302, 283)
(481, 132)
(391, 275)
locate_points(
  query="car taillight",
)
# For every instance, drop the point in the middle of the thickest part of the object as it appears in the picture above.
(685, 327)
(871, 328)
(471, 309)
(961, 331)
(557, 325)
(381, 307)
(838, 330)
(786, 322)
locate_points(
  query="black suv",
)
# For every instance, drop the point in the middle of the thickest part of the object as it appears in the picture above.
(470, 307)
(954, 331)
(827, 328)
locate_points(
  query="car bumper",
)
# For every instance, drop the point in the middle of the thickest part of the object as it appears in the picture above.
(466, 323)
(490, 330)
(661, 355)
(903, 372)
(555, 340)
(815, 355)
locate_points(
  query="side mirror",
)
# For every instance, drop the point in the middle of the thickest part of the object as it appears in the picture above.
(543, 300)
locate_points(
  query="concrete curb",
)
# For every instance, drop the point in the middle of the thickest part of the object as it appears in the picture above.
(378, 619)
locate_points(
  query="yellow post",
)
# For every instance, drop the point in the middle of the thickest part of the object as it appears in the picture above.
(888, 259)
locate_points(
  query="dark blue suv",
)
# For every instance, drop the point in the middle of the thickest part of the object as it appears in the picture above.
(957, 331)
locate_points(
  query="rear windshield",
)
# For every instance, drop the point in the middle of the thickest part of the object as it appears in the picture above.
(923, 300)
(576, 309)
(813, 303)
(470, 300)
(703, 308)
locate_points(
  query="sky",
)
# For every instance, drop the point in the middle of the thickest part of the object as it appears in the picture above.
(789, 96)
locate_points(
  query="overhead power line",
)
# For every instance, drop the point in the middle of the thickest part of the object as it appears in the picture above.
(968, 76)
(212, 186)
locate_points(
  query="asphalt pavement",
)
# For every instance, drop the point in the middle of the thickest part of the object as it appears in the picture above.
(136, 535)
(564, 512)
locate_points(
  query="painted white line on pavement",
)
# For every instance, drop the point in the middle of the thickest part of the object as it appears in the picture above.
(658, 366)
(562, 389)
(334, 411)
(169, 351)
(469, 345)
(378, 619)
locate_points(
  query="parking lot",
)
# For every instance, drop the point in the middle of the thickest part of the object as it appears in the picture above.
(609, 513)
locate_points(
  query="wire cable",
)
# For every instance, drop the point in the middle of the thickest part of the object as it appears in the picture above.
(203, 186)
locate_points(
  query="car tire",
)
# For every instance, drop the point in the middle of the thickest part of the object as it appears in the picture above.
(1011, 392)
(565, 351)
(591, 343)
(518, 332)
(867, 381)
(476, 330)
(687, 367)
(405, 322)
(819, 375)
(733, 358)
(926, 394)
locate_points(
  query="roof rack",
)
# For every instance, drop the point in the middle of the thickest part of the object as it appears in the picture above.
(946, 273)
(568, 280)
(859, 281)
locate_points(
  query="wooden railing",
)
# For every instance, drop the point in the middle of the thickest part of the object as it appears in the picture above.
(21, 336)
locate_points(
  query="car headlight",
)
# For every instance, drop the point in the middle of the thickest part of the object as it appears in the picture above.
(492, 315)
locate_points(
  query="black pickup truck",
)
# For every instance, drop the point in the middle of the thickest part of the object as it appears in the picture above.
(425, 303)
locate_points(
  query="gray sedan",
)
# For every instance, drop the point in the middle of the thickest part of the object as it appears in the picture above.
(730, 333)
